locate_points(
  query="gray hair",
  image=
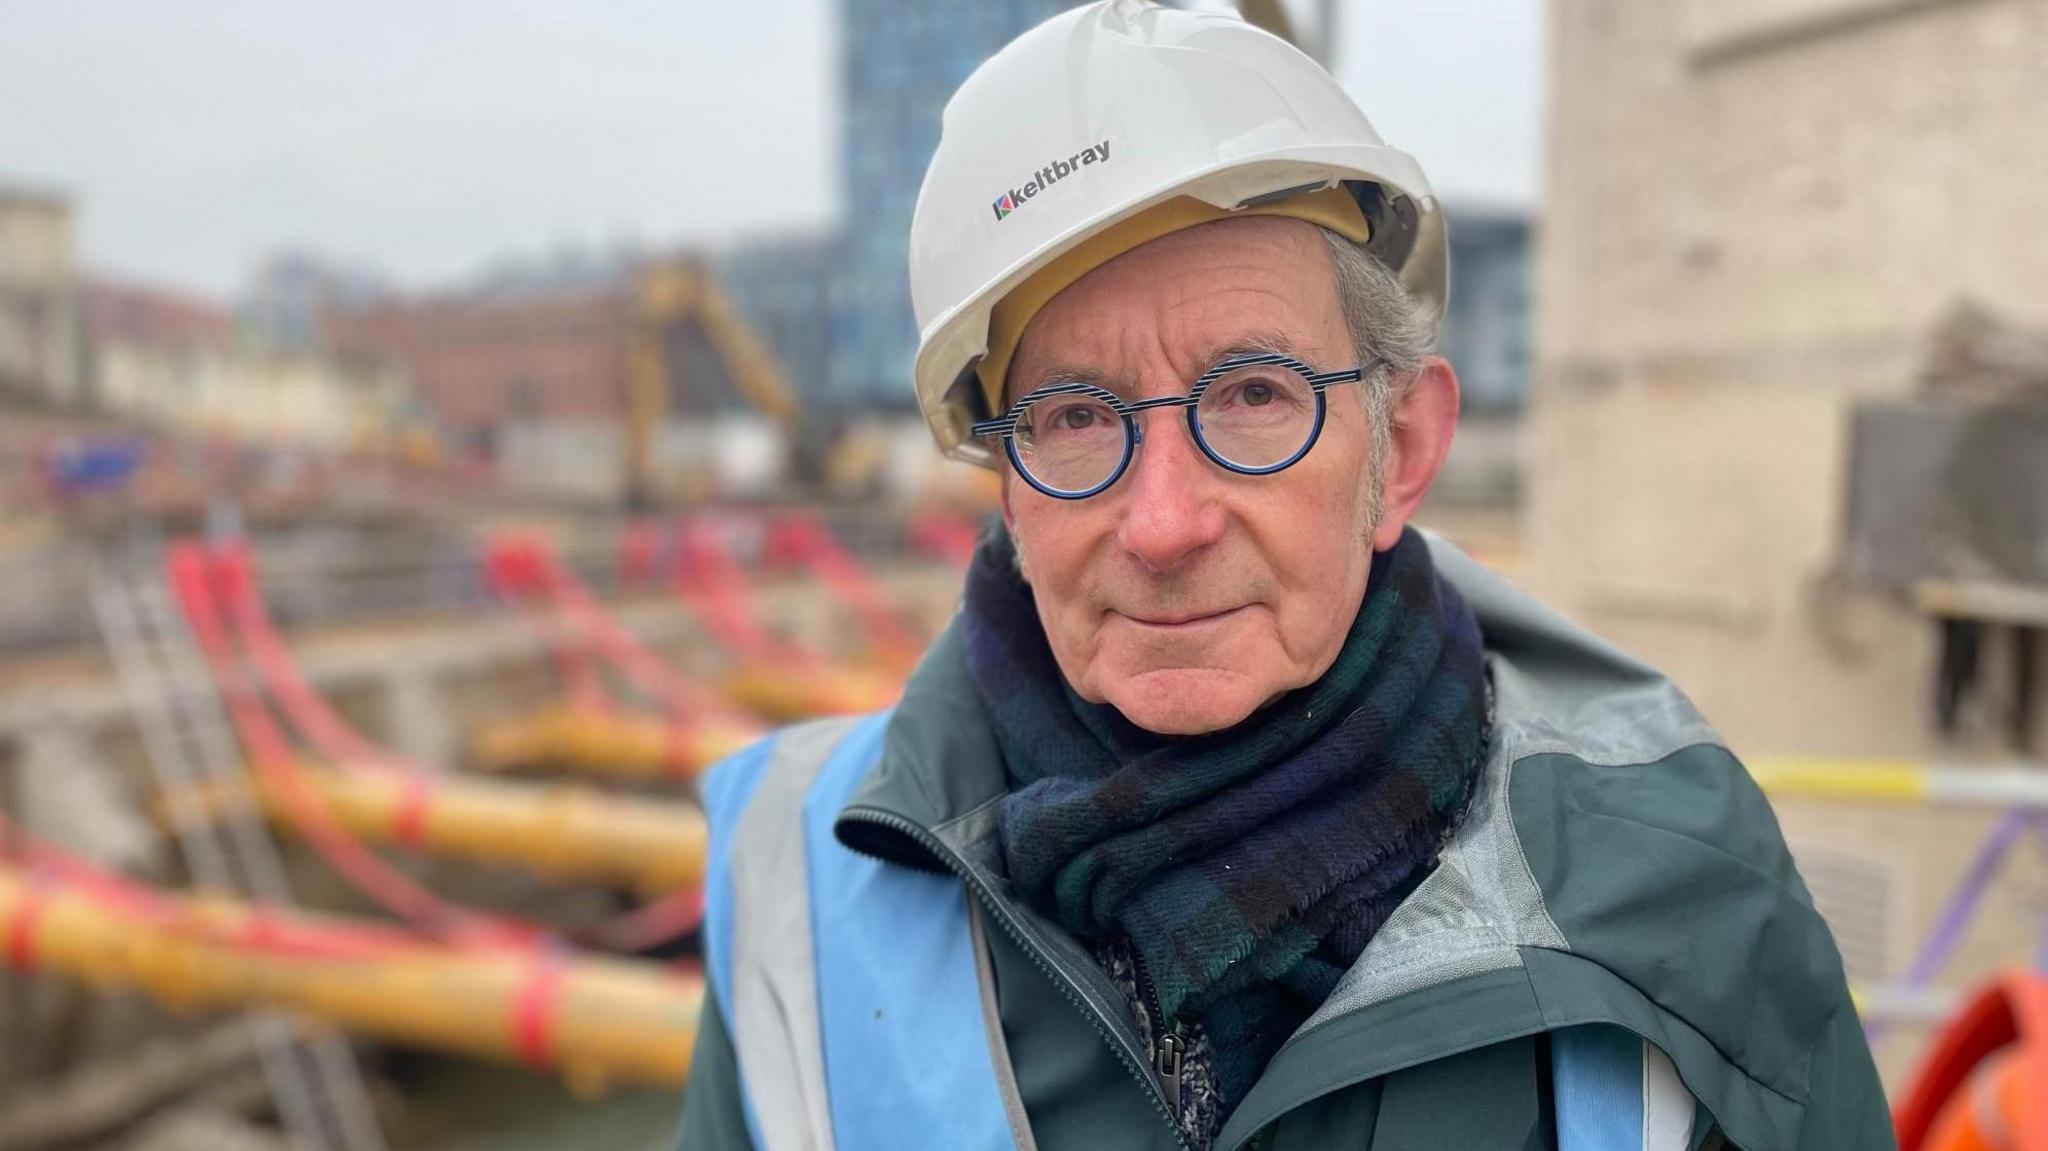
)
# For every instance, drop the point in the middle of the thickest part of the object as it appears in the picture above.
(1385, 325)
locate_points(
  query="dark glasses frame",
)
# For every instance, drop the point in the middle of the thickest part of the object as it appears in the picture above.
(1005, 427)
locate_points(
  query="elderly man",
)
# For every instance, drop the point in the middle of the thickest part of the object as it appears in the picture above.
(1231, 811)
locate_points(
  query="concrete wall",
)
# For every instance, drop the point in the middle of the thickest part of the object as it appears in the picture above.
(1754, 213)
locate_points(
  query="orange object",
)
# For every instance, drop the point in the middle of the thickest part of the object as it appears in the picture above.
(1975, 1118)
(597, 1021)
(565, 833)
(551, 832)
(609, 742)
(1984, 1083)
(805, 691)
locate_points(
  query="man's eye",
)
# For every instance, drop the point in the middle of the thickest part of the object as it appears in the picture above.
(1255, 394)
(1076, 419)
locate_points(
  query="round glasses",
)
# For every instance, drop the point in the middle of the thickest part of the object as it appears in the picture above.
(1251, 414)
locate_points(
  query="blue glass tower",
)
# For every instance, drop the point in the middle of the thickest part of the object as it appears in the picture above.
(902, 59)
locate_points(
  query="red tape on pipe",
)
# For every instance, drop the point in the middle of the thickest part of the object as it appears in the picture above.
(21, 928)
(534, 1013)
(409, 823)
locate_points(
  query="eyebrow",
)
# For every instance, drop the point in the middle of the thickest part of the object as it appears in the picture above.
(1254, 342)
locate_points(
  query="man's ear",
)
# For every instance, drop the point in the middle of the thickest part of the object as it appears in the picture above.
(1424, 419)
(1003, 471)
(1004, 474)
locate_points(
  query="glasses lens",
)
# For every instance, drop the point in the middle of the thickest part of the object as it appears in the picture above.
(1070, 443)
(1257, 416)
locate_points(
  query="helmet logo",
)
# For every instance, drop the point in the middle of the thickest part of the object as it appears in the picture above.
(1049, 175)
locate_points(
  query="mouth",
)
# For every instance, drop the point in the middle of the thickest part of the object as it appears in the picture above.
(1182, 620)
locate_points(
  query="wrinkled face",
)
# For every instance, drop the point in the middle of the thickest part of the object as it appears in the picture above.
(1185, 595)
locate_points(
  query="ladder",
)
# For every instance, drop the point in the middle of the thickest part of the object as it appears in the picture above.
(312, 1073)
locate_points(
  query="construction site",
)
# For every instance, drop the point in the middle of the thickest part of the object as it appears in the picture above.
(360, 649)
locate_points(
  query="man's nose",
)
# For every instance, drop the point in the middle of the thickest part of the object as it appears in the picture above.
(1171, 510)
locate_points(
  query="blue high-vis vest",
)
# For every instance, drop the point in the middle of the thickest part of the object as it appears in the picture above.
(858, 998)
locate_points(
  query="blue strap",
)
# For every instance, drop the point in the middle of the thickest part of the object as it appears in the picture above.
(907, 1059)
(726, 788)
(1596, 1076)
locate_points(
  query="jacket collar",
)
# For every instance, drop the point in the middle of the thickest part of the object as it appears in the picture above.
(939, 762)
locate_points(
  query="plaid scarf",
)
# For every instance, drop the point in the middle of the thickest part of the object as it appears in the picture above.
(1249, 867)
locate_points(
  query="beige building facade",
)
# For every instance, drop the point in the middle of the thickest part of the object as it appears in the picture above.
(172, 361)
(1756, 212)
(39, 323)
(1752, 221)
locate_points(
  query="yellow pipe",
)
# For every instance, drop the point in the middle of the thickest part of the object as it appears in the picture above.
(562, 832)
(1890, 780)
(613, 744)
(2016, 785)
(600, 1021)
(784, 694)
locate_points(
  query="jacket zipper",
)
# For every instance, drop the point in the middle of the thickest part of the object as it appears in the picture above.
(1170, 1042)
(1133, 1063)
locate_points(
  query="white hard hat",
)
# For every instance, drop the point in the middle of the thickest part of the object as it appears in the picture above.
(1103, 113)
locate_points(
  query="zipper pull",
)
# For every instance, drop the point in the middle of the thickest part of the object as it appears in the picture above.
(1171, 1049)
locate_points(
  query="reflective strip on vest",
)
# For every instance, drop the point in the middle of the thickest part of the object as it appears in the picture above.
(849, 986)
(1615, 1091)
(726, 789)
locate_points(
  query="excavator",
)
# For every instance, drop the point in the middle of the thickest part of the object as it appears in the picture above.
(670, 297)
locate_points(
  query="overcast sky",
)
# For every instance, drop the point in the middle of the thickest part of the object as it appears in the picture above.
(426, 140)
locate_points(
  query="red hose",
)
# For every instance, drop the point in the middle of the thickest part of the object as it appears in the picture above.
(532, 564)
(517, 579)
(713, 585)
(668, 918)
(271, 757)
(51, 868)
(234, 586)
(189, 566)
(805, 537)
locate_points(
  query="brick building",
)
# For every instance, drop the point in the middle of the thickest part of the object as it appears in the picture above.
(478, 363)
(570, 384)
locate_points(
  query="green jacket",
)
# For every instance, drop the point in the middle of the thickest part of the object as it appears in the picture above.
(1618, 867)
